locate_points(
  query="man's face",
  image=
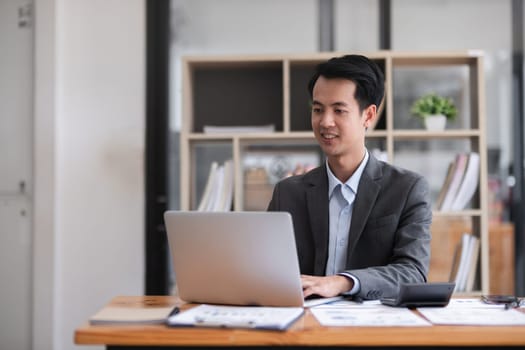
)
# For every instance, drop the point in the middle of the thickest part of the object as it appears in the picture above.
(337, 122)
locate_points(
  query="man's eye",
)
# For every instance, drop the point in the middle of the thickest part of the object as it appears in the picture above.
(340, 111)
(316, 110)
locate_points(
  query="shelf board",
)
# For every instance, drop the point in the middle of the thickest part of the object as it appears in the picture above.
(306, 135)
(399, 134)
(376, 133)
(469, 212)
(446, 134)
(415, 58)
(208, 137)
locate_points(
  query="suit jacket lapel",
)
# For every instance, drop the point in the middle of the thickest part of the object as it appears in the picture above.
(364, 201)
(317, 202)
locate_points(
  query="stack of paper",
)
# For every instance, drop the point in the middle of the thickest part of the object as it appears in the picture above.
(473, 312)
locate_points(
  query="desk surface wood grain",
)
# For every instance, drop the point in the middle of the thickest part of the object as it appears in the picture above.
(304, 332)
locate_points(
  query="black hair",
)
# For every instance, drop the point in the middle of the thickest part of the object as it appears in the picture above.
(365, 73)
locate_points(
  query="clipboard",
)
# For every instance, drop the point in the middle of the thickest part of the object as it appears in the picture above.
(222, 316)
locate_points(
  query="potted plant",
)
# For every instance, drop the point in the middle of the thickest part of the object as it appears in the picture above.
(434, 110)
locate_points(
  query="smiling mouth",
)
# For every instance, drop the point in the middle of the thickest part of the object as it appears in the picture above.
(328, 136)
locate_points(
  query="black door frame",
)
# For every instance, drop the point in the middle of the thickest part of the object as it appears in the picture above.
(156, 157)
(517, 205)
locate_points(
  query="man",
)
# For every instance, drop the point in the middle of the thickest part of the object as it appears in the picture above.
(362, 226)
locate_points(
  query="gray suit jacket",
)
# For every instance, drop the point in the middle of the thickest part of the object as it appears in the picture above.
(389, 240)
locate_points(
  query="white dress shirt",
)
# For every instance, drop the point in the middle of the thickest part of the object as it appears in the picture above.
(341, 201)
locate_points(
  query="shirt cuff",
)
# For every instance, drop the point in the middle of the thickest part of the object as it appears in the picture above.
(357, 285)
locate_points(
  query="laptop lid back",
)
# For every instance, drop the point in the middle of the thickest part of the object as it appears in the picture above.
(236, 258)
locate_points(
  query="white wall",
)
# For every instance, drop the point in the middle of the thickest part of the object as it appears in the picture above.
(240, 26)
(89, 149)
(356, 26)
(223, 27)
(16, 176)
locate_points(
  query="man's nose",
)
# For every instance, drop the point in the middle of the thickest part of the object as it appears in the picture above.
(327, 119)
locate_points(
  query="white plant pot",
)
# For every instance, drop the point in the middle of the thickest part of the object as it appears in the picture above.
(435, 122)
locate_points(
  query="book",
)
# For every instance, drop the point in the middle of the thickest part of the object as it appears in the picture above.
(464, 264)
(218, 192)
(203, 204)
(462, 251)
(455, 265)
(225, 198)
(469, 183)
(223, 316)
(131, 315)
(459, 170)
(446, 184)
(473, 263)
(214, 199)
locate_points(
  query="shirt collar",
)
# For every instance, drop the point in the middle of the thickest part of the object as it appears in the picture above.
(352, 182)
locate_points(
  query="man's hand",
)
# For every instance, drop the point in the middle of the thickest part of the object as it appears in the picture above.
(325, 286)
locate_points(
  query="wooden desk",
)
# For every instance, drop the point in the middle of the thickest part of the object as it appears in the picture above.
(305, 332)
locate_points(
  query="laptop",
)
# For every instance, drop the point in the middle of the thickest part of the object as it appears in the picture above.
(234, 258)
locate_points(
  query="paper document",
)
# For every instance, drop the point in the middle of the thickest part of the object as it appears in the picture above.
(256, 317)
(473, 312)
(368, 313)
(471, 303)
(321, 301)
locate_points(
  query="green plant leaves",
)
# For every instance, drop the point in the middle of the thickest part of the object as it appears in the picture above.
(433, 104)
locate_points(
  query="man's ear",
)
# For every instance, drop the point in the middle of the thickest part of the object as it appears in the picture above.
(369, 115)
